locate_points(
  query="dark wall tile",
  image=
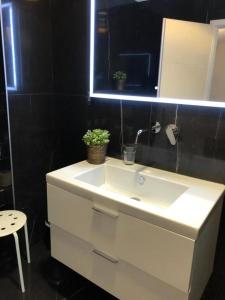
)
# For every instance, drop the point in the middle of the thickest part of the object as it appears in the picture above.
(33, 142)
(71, 115)
(33, 46)
(202, 167)
(198, 127)
(106, 115)
(46, 135)
(136, 115)
(216, 9)
(46, 127)
(6, 197)
(70, 44)
(200, 148)
(197, 144)
(219, 150)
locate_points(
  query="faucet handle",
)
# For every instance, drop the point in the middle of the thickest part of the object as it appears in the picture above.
(172, 133)
(156, 128)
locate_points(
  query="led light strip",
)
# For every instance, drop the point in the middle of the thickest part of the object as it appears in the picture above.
(92, 46)
(12, 36)
(158, 100)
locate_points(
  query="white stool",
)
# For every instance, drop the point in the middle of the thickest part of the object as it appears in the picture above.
(10, 222)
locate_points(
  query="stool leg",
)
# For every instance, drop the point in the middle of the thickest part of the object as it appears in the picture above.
(27, 243)
(19, 261)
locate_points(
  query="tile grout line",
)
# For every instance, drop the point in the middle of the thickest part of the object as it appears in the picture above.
(178, 142)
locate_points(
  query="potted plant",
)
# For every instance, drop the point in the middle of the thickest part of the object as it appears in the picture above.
(120, 78)
(96, 141)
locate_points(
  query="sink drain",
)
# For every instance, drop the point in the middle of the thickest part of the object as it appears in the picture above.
(135, 198)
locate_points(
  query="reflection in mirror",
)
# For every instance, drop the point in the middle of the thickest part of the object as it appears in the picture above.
(217, 87)
(185, 59)
(160, 51)
(192, 60)
(127, 39)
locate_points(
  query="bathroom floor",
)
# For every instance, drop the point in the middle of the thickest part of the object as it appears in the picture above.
(43, 278)
(47, 279)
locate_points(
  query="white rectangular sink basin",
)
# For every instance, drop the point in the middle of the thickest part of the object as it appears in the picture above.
(134, 185)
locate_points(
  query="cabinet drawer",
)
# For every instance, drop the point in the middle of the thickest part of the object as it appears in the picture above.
(121, 279)
(83, 258)
(160, 253)
(71, 251)
(83, 218)
(69, 212)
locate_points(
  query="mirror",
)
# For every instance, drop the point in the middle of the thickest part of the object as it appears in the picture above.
(158, 51)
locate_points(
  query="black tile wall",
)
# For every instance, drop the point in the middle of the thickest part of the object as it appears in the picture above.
(48, 109)
(199, 129)
(6, 197)
(70, 44)
(107, 115)
(33, 46)
(200, 148)
(31, 109)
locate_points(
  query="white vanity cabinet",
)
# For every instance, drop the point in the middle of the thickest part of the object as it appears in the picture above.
(129, 257)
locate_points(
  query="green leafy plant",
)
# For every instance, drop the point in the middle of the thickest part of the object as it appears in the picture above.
(119, 75)
(96, 137)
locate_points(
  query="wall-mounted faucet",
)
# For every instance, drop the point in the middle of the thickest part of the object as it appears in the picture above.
(155, 129)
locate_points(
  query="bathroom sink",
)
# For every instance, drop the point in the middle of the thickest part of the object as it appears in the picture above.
(133, 184)
(172, 201)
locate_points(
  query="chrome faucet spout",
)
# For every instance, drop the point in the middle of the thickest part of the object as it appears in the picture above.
(138, 134)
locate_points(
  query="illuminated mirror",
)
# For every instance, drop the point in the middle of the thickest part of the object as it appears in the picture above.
(157, 51)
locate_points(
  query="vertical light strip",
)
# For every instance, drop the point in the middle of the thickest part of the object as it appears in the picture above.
(13, 46)
(92, 46)
(13, 53)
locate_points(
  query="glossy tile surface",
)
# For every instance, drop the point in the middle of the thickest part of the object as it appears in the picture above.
(6, 197)
(70, 46)
(47, 279)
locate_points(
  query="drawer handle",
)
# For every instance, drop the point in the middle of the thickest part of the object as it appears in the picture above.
(106, 212)
(106, 256)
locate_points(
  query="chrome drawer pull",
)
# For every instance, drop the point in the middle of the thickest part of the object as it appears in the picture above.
(106, 256)
(104, 211)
